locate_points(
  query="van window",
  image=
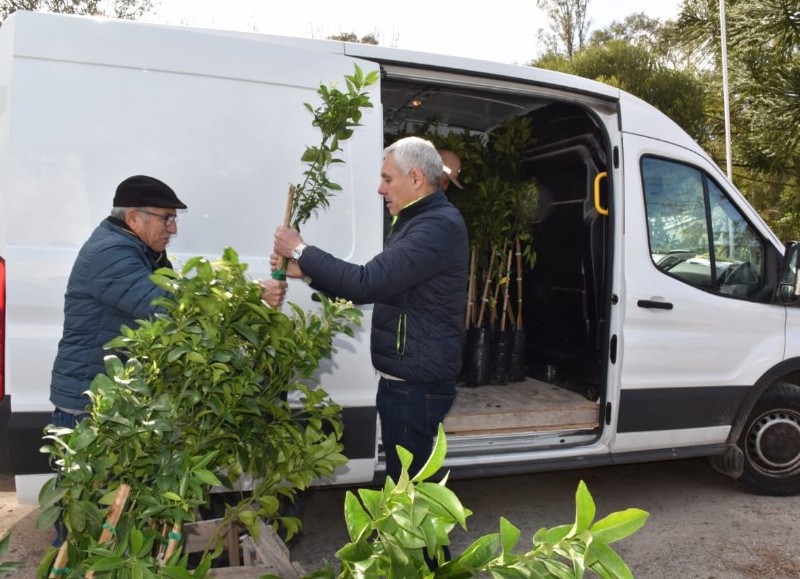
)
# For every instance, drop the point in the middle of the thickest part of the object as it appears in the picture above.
(696, 234)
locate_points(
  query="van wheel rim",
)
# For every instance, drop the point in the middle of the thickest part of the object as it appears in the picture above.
(773, 442)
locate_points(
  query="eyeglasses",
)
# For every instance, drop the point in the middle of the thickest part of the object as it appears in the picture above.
(167, 219)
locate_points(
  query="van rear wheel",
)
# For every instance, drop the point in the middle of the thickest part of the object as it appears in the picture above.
(770, 442)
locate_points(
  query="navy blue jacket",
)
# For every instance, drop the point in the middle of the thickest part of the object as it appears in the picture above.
(418, 284)
(109, 286)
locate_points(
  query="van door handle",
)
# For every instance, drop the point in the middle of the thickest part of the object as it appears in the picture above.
(597, 207)
(654, 304)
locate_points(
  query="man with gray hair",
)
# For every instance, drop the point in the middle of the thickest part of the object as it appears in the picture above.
(418, 285)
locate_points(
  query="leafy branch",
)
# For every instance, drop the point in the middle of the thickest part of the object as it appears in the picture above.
(336, 119)
(201, 402)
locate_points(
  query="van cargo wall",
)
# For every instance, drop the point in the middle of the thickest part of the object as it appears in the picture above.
(218, 117)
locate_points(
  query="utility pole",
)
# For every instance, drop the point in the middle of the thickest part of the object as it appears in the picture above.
(725, 95)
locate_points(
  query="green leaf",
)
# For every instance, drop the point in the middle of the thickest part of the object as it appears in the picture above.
(248, 518)
(247, 333)
(109, 497)
(355, 552)
(48, 517)
(4, 545)
(206, 477)
(113, 365)
(83, 437)
(479, 553)
(137, 540)
(107, 564)
(601, 559)
(618, 525)
(50, 494)
(509, 535)
(584, 510)
(176, 353)
(372, 501)
(356, 518)
(447, 499)
(436, 459)
(554, 535)
(405, 458)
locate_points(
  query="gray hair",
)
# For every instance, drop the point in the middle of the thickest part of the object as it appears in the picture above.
(413, 152)
(119, 212)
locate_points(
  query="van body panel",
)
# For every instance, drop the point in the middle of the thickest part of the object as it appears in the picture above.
(207, 115)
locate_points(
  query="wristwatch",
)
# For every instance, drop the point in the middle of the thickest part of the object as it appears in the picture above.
(297, 252)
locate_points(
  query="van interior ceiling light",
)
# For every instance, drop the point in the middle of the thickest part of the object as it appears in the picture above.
(416, 102)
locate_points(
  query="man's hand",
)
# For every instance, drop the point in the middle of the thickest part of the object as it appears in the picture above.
(273, 291)
(292, 267)
(286, 239)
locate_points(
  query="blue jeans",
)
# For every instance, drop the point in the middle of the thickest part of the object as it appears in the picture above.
(410, 413)
(65, 419)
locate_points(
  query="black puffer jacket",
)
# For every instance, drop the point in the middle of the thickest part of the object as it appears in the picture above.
(418, 284)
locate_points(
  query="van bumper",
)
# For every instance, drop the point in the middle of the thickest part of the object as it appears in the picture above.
(21, 440)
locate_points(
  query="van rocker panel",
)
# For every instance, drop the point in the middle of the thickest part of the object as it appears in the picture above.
(653, 409)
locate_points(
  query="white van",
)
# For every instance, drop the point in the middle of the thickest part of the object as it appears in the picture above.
(660, 322)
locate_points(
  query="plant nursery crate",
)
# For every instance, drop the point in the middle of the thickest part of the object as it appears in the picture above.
(248, 558)
(531, 405)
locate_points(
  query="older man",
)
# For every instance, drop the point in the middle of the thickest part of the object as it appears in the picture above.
(110, 286)
(418, 285)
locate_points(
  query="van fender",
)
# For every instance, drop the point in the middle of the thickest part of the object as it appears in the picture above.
(731, 462)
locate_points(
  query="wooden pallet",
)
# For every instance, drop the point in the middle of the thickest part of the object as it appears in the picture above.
(268, 555)
(531, 405)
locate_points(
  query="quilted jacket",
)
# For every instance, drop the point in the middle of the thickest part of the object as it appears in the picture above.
(418, 284)
(109, 286)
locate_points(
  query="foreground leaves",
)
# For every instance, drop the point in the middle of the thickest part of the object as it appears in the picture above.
(201, 402)
(397, 531)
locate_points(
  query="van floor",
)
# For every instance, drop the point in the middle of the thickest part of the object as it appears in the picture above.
(531, 405)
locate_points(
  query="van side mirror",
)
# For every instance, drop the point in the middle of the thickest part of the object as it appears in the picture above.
(789, 287)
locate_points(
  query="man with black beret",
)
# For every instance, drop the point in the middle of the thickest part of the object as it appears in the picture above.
(110, 286)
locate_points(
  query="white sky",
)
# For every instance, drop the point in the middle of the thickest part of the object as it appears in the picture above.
(499, 30)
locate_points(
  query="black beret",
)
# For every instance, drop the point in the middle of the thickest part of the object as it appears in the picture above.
(143, 191)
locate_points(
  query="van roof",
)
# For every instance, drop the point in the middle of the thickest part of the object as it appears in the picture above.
(497, 89)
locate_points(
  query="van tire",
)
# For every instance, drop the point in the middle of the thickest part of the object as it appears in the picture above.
(770, 443)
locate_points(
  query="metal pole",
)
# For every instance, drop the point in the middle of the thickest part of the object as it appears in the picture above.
(726, 98)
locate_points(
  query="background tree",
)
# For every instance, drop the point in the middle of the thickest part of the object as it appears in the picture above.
(640, 70)
(352, 37)
(764, 72)
(127, 9)
(569, 26)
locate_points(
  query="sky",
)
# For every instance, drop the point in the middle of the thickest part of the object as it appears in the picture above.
(498, 30)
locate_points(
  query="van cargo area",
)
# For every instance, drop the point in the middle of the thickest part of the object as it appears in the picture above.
(566, 295)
